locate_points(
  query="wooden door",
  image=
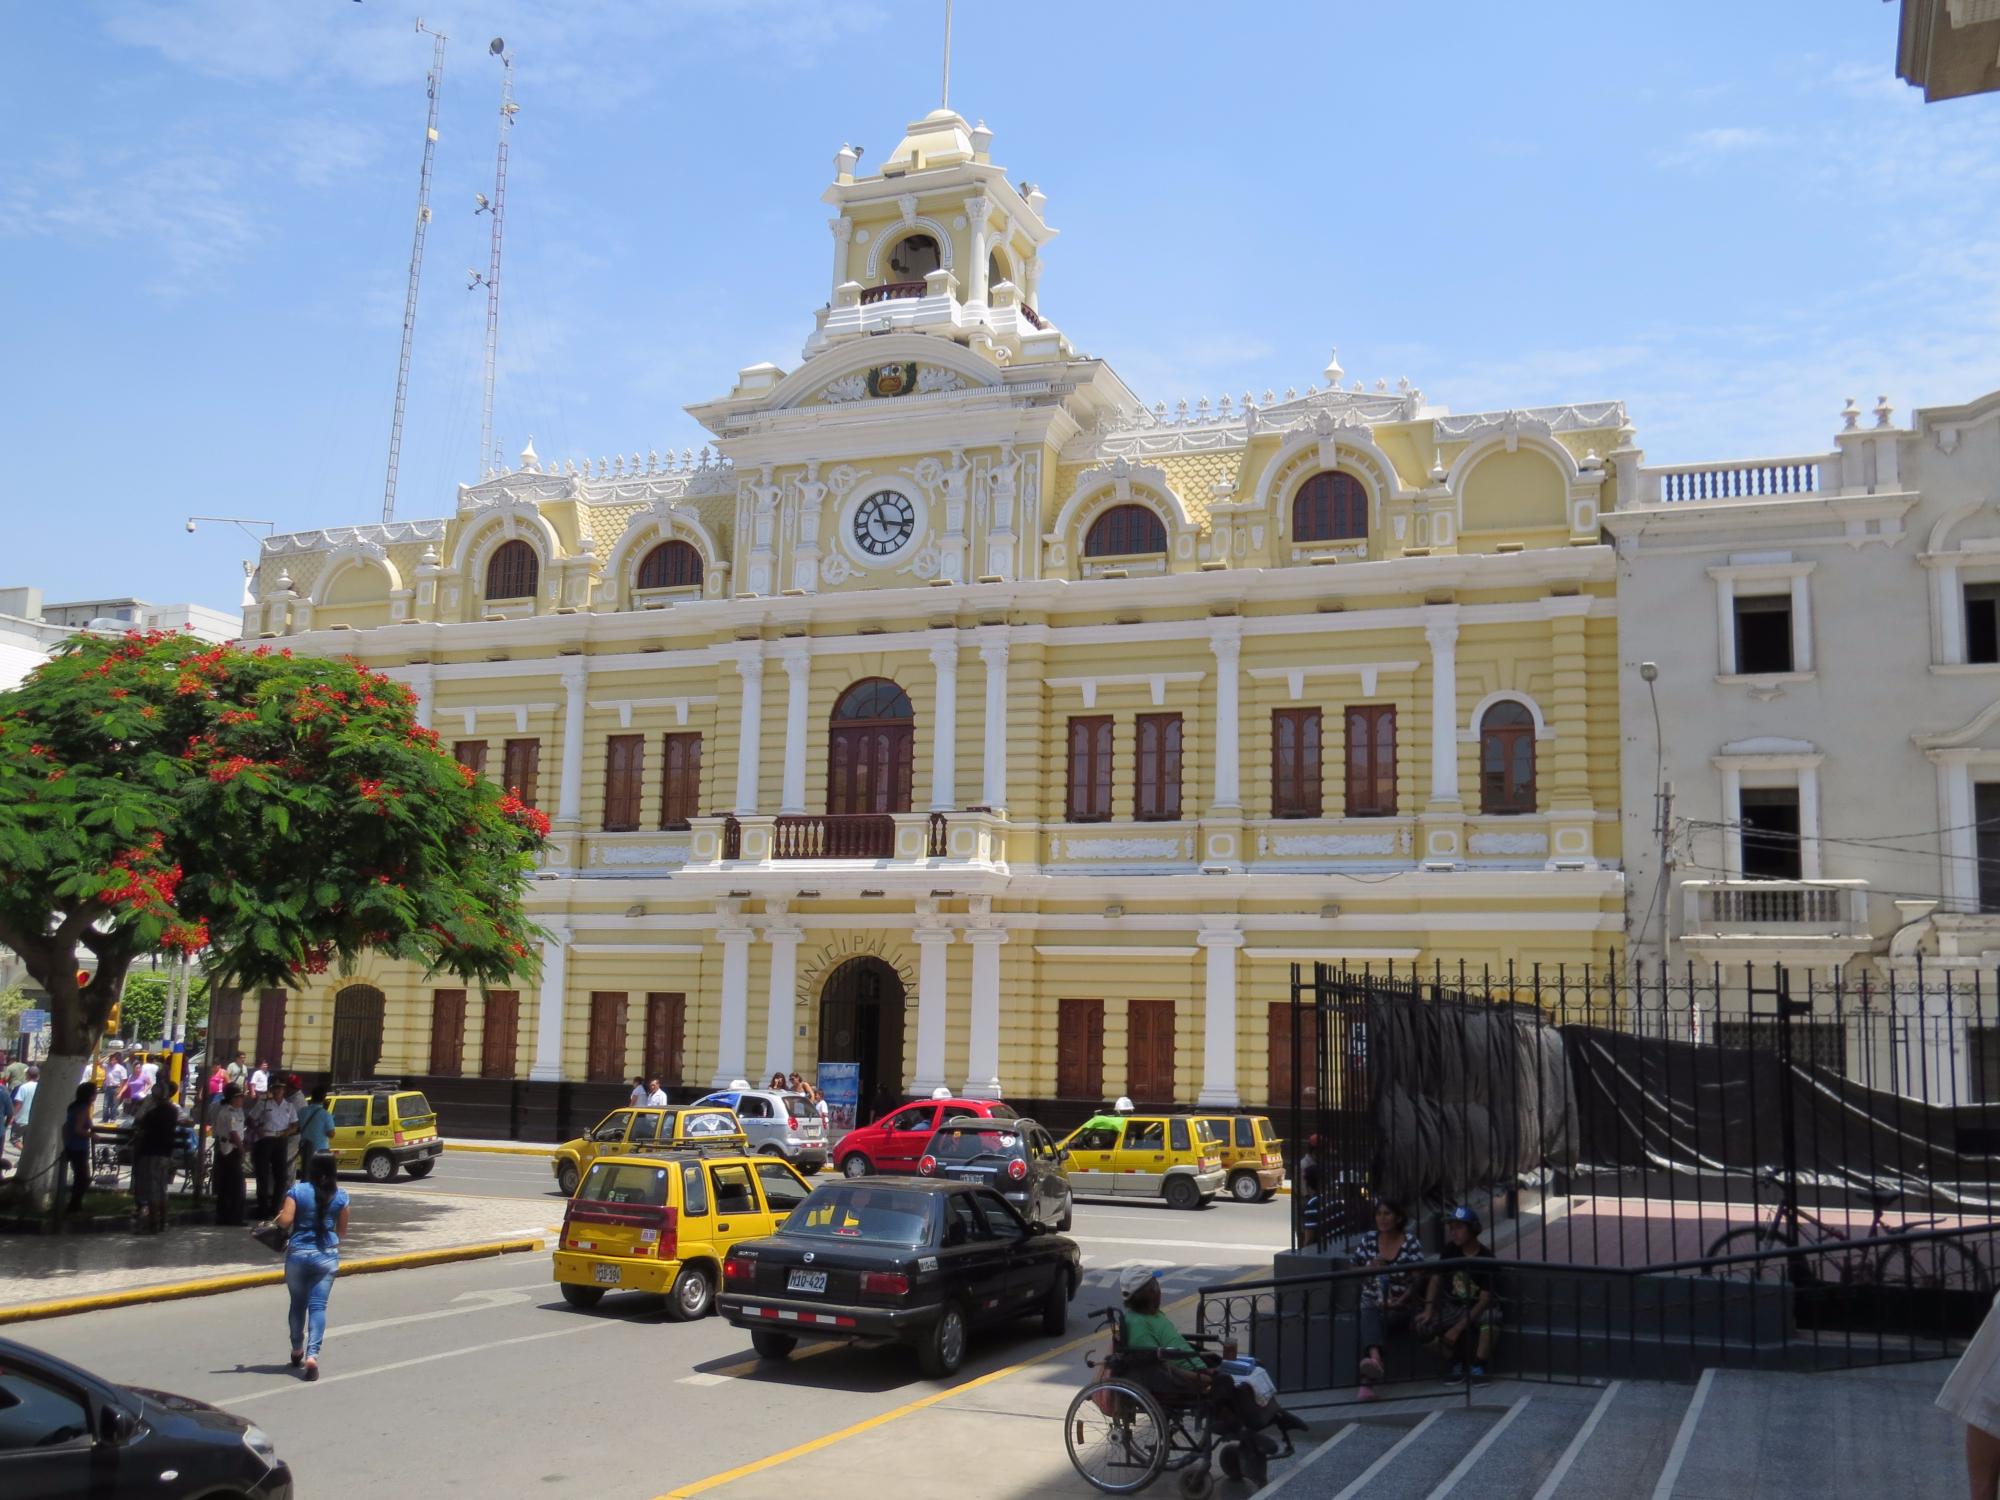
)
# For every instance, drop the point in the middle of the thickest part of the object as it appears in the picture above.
(225, 1026)
(1280, 1067)
(868, 768)
(1149, 1051)
(270, 1028)
(448, 1033)
(665, 1023)
(357, 1032)
(607, 1036)
(499, 1034)
(1080, 1050)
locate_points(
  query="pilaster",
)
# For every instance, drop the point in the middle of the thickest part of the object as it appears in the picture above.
(549, 1013)
(1218, 1071)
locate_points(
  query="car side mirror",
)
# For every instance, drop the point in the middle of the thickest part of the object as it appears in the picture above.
(1062, 1153)
(115, 1425)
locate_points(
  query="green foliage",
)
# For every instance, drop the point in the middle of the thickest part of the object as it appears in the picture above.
(282, 813)
(143, 1007)
(13, 1000)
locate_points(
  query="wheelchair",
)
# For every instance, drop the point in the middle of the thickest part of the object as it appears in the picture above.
(1127, 1428)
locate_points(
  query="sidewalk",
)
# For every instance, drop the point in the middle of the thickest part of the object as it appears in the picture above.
(382, 1221)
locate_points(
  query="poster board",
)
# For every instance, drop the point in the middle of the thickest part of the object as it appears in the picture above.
(840, 1082)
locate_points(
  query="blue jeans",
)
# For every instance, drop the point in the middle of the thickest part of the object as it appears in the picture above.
(309, 1278)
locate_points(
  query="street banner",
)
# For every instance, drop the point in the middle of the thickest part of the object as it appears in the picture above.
(840, 1082)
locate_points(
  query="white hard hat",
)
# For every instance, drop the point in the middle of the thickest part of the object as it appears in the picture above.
(1123, 1106)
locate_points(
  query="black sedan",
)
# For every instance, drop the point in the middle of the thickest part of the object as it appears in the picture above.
(65, 1432)
(1016, 1158)
(917, 1261)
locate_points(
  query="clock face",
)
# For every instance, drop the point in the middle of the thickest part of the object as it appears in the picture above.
(883, 523)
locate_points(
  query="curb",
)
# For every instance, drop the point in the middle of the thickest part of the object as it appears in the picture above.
(542, 1151)
(174, 1291)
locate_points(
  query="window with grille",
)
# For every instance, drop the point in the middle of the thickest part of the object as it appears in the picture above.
(1295, 763)
(520, 767)
(1330, 507)
(1157, 791)
(1507, 759)
(513, 571)
(671, 565)
(1089, 768)
(1371, 760)
(624, 777)
(680, 794)
(1125, 531)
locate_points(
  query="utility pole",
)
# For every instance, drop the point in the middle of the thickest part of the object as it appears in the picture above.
(433, 84)
(489, 459)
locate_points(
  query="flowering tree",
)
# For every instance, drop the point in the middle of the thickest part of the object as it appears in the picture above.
(276, 814)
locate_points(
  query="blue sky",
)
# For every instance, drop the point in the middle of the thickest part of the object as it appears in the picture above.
(1731, 216)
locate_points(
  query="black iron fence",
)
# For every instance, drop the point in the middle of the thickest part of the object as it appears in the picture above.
(1643, 1118)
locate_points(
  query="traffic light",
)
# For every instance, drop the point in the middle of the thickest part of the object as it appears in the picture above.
(111, 1021)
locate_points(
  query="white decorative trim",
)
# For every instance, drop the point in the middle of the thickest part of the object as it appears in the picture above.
(1297, 677)
(914, 225)
(1470, 736)
(1586, 416)
(1282, 844)
(1055, 950)
(1156, 682)
(1120, 483)
(385, 535)
(1965, 734)
(1335, 954)
(662, 521)
(1082, 846)
(352, 553)
(622, 856)
(1508, 843)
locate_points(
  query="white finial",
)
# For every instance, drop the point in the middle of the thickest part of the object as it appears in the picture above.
(1381, 385)
(845, 160)
(1850, 415)
(1333, 372)
(430, 557)
(1438, 471)
(531, 460)
(652, 460)
(1882, 412)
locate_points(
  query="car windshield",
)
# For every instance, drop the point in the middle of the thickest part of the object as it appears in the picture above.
(968, 1145)
(1001, 1112)
(860, 1213)
(625, 1182)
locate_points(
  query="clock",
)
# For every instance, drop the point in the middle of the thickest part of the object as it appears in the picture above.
(883, 523)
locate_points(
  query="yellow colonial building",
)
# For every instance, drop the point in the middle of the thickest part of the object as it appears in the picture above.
(960, 715)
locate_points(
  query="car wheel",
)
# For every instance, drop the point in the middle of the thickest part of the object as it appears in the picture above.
(943, 1348)
(420, 1168)
(1180, 1192)
(566, 1179)
(693, 1294)
(854, 1164)
(1267, 1195)
(380, 1166)
(1244, 1187)
(777, 1151)
(772, 1345)
(582, 1296)
(1055, 1307)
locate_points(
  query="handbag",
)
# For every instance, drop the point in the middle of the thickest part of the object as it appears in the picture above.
(271, 1235)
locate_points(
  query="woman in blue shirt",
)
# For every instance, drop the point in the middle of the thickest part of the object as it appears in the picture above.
(315, 1212)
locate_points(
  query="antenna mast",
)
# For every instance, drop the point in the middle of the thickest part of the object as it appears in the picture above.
(945, 87)
(489, 459)
(434, 82)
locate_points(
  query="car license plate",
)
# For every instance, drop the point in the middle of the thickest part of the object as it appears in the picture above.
(605, 1275)
(969, 1174)
(806, 1281)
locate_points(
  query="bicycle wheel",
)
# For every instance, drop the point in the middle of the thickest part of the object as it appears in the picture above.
(1938, 1265)
(1742, 1241)
(1117, 1437)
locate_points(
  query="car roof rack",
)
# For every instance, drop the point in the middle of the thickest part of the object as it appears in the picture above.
(684, 1148)
(369, 1086)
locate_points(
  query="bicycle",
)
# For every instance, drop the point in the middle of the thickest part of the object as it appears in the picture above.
(1932, 1265)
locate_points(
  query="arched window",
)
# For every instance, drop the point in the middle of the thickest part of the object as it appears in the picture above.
(671, 565)
(914, 258)
(1507, 759)
(513, 572)
(1125, 531)
(1330, 507)
(870, 749)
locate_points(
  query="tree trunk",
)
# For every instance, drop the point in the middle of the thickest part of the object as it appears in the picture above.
(41, 1156)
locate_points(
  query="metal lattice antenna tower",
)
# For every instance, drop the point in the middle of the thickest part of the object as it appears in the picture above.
(489, 458)
(434, 84)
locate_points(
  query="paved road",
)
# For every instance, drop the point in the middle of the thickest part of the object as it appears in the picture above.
(478, 1379)
(489, 1174)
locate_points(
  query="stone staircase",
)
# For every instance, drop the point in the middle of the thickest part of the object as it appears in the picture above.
(1860, 1433)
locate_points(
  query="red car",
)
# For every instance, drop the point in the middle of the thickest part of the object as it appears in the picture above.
(894, 1143)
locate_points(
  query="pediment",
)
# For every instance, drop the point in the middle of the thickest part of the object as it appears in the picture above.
(885, 372)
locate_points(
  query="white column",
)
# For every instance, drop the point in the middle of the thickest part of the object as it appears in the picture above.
(1732, 823)
(423, 682)
(734, 1022)
(781, 1018)
(993, 784)
(933, 1007)
(976, 210)
(843, 230)
(1809, 822)
(569, 797)
(1961, 842)
(1802, 651)
(1725, 624)
(548, 1062)
(944, 726)
(750, 730)
(982, 1073)
(1443, 637)
(798, 675)
(1227, 643)
(1218, 1058)
(1948, 605)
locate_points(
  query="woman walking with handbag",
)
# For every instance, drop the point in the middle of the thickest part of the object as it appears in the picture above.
(315, 1215)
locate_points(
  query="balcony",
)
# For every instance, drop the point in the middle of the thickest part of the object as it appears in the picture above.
(913, 841)
(1793, 921)
(891, 291)
(1748, 479)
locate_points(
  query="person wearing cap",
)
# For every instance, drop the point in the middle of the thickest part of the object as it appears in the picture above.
(1180, 1368)
(1459, 1301)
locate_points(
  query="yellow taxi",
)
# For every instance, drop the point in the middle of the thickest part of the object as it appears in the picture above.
(664, 1222)
(1175, 1157)
(630, 1130)
(378, 1130)
(1251, 1161)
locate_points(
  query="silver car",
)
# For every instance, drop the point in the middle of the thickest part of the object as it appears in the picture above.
(779, 1123)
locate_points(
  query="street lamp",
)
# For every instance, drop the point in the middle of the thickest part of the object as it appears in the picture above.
(1663, 803)
(242, 523)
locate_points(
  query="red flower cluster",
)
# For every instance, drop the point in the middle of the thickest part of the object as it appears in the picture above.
(143, 889)
(511, 806)
(230, 769)
(186, 937)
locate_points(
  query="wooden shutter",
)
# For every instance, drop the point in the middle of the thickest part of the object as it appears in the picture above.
(1149, 1051)
(1080, 1050)
(666, 1021)
(270, 1028)
(1158, 797)
(448, 1033)
(1295, 763)
(498, 1036)
(1090, 768)
(1280, 1069)
(522, 765)
(1371, 760)
(624, 775)
(472, 755)
(607, 1035)
(680, 794)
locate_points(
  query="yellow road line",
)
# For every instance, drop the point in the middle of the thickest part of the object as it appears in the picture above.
(881, 1419)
